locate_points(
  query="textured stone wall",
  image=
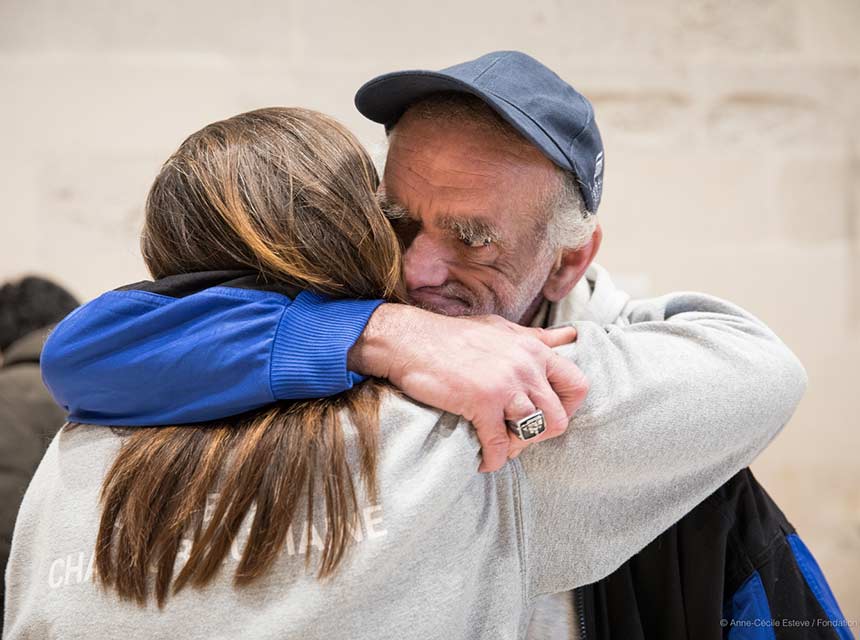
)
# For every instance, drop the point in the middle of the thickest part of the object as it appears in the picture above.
(732, 161)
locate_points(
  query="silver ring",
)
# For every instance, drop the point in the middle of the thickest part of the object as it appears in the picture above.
(528, 427)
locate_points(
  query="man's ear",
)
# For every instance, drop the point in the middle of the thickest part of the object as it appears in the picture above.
(570, 267)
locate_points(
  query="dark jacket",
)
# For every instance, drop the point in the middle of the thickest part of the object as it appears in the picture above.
(733, 568)
(29, 418)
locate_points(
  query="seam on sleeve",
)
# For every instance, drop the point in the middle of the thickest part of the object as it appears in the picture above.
(521, 531)
(272, 350)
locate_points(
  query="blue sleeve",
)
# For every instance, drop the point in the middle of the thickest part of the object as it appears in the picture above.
(141, 358)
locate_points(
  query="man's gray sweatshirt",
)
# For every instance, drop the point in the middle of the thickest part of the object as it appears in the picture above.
(686, 390)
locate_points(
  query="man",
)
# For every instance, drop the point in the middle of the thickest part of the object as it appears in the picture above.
(29, 418)
(448, 154)
(494, 198)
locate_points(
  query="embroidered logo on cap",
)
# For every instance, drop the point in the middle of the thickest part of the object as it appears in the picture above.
(597, 180)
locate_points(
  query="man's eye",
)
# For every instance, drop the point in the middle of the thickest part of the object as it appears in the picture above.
(405, 229)
(477, 243)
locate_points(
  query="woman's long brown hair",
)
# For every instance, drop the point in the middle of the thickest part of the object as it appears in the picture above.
(289, 193)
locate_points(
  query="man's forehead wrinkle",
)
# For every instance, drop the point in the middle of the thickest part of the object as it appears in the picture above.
(471, 162)
(487, 165)
(439, 150)
(406, 178)
(409, 176)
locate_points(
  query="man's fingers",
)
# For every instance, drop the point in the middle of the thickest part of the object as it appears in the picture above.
(568, 382)
(519, 407)
(554, 412)
(493, 435)
(555, 337)
(516, 446)
(550, 337)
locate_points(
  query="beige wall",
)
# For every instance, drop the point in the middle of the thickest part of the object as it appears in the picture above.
(732, 163)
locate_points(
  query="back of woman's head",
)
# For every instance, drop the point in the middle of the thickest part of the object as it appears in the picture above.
(290, 194)
(283, 191)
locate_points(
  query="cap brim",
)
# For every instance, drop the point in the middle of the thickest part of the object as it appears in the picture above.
(386, 98)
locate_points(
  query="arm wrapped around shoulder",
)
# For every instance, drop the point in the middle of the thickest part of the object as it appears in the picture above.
(685, 391)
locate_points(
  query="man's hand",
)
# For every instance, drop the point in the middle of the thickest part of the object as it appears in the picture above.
(484, 368)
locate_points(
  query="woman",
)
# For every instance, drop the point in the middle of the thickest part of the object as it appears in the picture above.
(357, 516)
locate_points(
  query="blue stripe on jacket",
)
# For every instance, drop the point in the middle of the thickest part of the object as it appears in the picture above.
(817, 583)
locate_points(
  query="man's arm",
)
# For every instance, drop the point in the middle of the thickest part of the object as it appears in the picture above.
(483, 368)
(680, 400)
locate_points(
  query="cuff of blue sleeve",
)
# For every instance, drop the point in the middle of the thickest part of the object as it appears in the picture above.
(311, 345)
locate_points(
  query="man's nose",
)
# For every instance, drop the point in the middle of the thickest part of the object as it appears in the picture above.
(424, 264)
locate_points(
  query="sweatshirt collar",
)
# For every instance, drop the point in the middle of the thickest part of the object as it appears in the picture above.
(594, 298)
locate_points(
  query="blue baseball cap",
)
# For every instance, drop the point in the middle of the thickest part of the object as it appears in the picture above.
(531, 97)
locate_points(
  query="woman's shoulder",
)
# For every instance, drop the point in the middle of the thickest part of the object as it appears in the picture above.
(68, 480)
(426, 454)
(89, 440)
(78, 457)
(412, 428)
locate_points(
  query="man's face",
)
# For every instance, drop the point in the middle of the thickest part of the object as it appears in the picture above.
(472, 217)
